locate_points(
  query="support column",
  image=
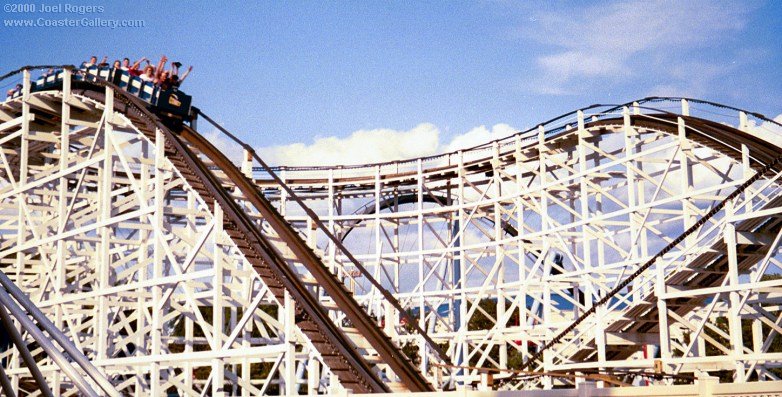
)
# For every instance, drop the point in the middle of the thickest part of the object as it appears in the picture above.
(374, 294)
(218, 304)
(332, 249)
(521, 168)
(313, 375)
(105, 189)
(591, 294)
(686, 181)
(460, 304)
(155, 386)
(662, 312)
(247, 288)
(546, 381)
(421, 271)
(192, 205)
(734, 317)
(21, 229)
(629, 140)
(60, 280)
(247, 164)
(499, 254)
(288, 314)
(145, 240)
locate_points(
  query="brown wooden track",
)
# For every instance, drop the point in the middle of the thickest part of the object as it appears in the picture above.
(339, 353)
(337, 350)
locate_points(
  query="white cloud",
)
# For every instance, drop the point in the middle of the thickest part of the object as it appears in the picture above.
(630, 38)
(379, 145)
(362, 146)
(768, 130)
(574, 63)
(478, 136)
(624, 28)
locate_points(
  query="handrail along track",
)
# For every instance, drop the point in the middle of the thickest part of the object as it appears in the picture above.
(772, 165)
(327, 280)
(183, 149)
(343, 360)
(335, 348)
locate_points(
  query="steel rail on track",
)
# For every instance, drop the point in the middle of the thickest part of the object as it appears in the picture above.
(344, 361)
(24, 351)
(334, 239)
(607, 109)
(335, 348)
(335, 288)
(728, 139)
(278, 275)
(772, 163)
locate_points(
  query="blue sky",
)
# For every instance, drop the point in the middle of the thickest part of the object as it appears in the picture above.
(315, 73)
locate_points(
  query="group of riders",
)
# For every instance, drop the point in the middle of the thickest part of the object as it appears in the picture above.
(159, 75)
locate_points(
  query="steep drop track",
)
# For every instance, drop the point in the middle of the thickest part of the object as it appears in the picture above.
(335, 348)
(277, 251)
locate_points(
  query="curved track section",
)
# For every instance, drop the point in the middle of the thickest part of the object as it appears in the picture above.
(110, 199)
(321, 331)
(604, 189)
(175, 272)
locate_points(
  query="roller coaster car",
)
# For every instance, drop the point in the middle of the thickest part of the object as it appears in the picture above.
(173, 107)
